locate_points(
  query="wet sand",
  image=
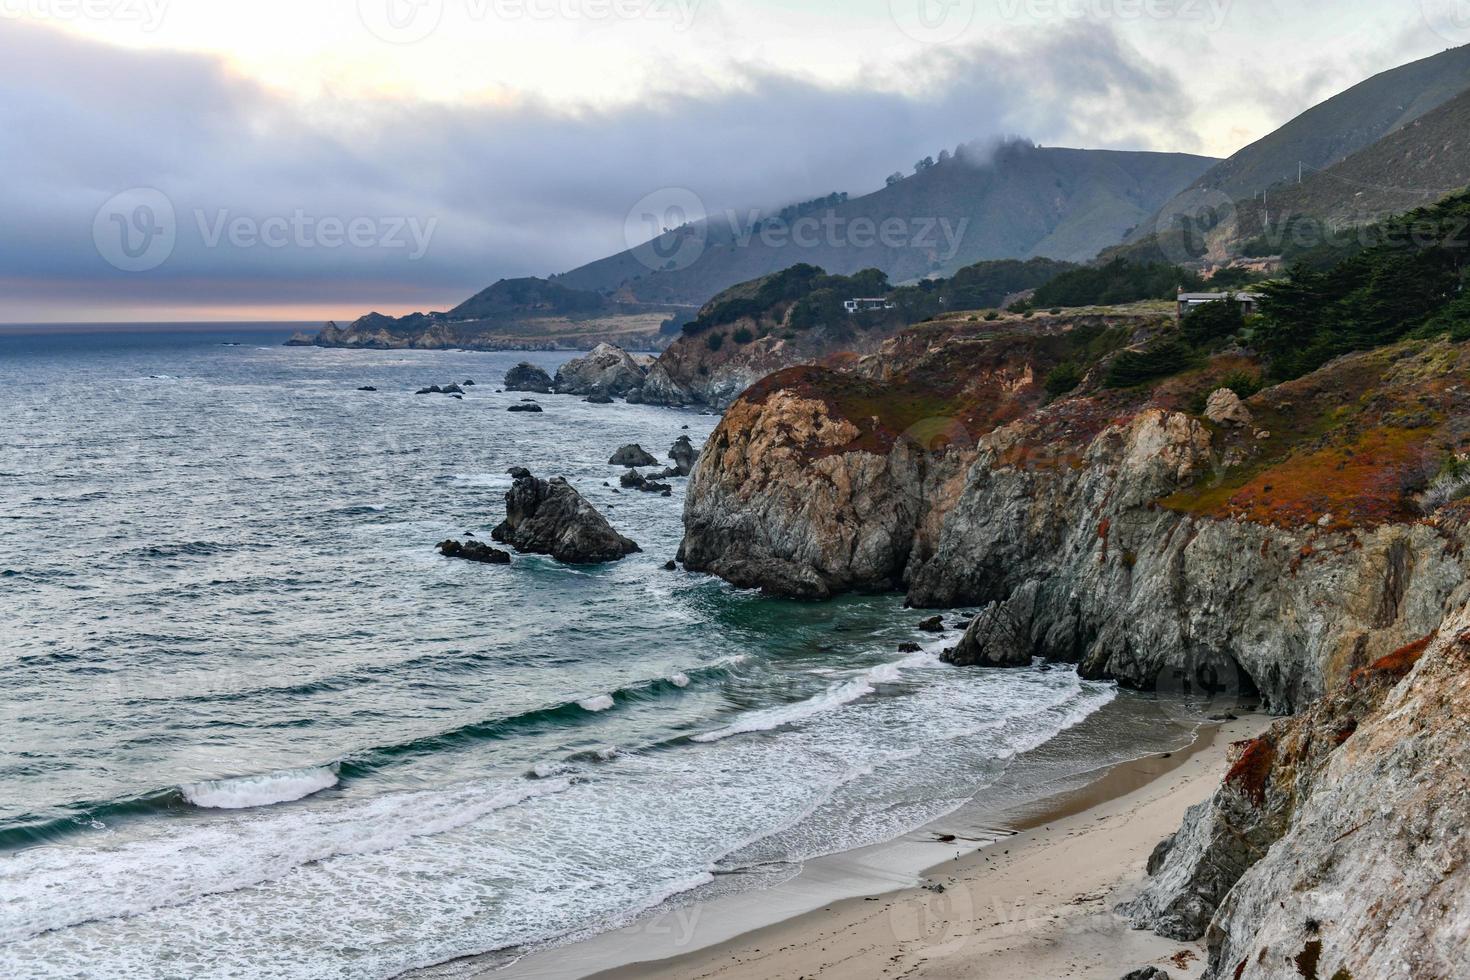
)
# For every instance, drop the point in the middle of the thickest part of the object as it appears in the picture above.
(1028, 885)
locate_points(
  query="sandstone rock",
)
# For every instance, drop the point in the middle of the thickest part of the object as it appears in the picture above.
(607, 370)
(1226, 408)
(475, 551)
(631, 456)
(549, 517)
(526, 376)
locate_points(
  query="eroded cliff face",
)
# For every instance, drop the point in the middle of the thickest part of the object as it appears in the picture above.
(1154, 545)
(1337, 846)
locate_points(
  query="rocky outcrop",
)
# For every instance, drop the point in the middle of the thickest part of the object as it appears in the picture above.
(526, 376)
(632, 456)
(476, 551)
(1162, 551)
(1336, 845)
(1226, 408)
(607, 370)
(1001, 635)
(549, 517)
(684, 456)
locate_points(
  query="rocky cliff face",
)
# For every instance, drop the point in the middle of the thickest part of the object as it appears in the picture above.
(1154, 546)
(1337, 846)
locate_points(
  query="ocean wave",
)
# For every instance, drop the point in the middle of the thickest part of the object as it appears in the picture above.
(603, 702)
(768, 719)
(252, 791)
(52, 888)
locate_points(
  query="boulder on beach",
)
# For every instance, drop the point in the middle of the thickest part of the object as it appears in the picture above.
(549, 517)
(607, 370)
(476, 551)
(526, 376)
(631, 456)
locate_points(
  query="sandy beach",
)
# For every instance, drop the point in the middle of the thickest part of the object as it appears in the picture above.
(1029, 893)
(1037, 905)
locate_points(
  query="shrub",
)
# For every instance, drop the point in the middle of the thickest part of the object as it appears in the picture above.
(1243, 383)
(1132, 368)
(1063, 378)
(1212, 324)
(715, 341)
(993, 315)
(742, 336)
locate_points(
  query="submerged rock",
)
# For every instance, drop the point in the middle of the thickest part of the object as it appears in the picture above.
(607, 370)
(367, 388)
(526, 407)
(549, 517)
(476, 551)
(599, 399)
(632, 456)
(526, 376)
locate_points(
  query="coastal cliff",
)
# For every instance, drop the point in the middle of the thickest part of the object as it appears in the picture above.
(1302, 546)
(1133, 535)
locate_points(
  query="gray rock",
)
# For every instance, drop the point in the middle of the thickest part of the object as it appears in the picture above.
(526, 376)
(631, 456)
(549, 517)
(1001, 635)
(607, 370)
(599, 399)
(684, 456)
(527, 407)
(1148, 973)
(475, 551)
(1226, 408)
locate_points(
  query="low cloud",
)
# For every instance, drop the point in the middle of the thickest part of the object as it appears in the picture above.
(500, 190)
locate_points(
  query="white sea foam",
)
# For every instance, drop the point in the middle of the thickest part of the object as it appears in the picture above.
(834, 697)
(602, 702)
(679, 680)
(52, 888)
(264, 790)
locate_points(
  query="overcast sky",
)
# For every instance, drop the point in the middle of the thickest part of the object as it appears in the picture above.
(314, 159)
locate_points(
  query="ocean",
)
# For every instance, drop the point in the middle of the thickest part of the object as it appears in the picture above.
(255, 726)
